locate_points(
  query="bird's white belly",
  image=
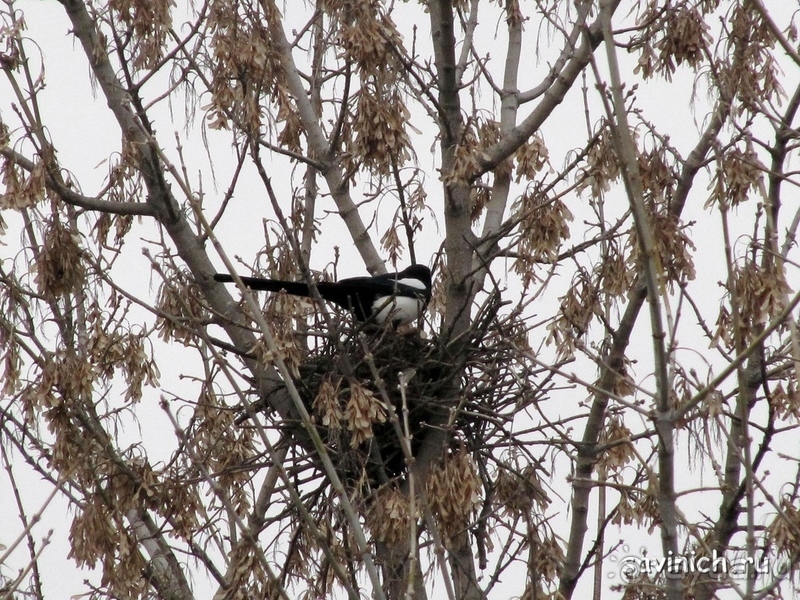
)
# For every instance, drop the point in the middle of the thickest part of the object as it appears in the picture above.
(397, 308)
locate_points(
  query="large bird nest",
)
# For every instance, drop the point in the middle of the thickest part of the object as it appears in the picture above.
(377, 395)
(374, 395)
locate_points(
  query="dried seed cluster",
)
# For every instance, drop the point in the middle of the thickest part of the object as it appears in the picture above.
(453, 492)
(21, 189)
(59, 265)
(543, 226)
(181, 307)
(389, 515)
(149, 22)
(362, 412)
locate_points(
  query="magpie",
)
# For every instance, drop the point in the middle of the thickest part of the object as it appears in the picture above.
(398, 297)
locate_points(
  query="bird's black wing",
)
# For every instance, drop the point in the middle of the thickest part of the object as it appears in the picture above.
(380, 285)
(360, 293)
(357, 293)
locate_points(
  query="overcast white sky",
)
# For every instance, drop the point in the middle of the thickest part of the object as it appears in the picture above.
(85, 133)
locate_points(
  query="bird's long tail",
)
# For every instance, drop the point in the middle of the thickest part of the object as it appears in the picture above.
(295, 288)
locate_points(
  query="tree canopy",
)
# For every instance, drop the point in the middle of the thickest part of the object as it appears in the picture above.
(606, 193)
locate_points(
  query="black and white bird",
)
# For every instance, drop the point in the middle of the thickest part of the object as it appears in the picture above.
(396, 297)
